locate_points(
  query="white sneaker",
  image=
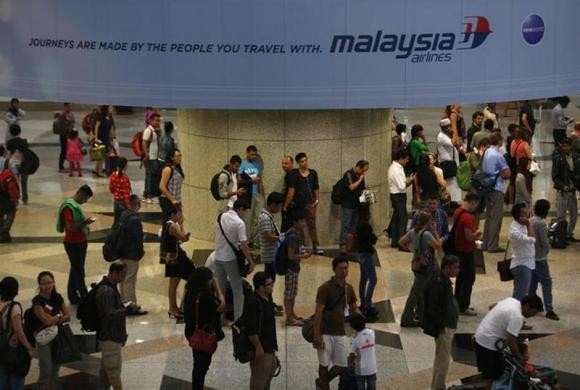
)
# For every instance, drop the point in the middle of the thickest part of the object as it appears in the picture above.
(154, 200)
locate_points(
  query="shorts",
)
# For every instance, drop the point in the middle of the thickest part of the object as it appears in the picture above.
(291, 284)
(335, 352)
(111, 359)
(490, 363)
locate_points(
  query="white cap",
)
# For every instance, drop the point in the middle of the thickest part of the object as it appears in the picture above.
(445, 122)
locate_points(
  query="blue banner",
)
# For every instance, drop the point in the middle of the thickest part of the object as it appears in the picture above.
(288, 54)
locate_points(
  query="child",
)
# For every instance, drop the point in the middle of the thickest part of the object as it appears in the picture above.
(363, 354)
(546, 374)
(74, 154)
(366, 240)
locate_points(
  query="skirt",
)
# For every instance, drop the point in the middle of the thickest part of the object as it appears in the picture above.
(180, 268)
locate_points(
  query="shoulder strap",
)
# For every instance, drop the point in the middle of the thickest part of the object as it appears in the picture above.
(274, 224)
(219, 220)
(455, 222)
(331, 307)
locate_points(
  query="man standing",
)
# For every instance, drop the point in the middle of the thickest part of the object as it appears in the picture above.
(489, 112)
(228, 183)
(9, 194)
(493, 164)
(330, 341)
(438, 217)
(72, 221)
(466, 233)
(527, 119)
(261, 327)
(131, 252)
(503, 322)
(304, 192)
(111, 329)
(250, 176)
(560, 121)
(354, 181)
(230, 231)
(269, 235)
(13, 116)
(398, 184)
(440, 317)
(477, 120)
(485, 133)
(563, 174)
(288, 168)
(150, 158)
(65, 125)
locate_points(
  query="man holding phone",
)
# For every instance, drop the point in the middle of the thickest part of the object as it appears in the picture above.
(75, 226)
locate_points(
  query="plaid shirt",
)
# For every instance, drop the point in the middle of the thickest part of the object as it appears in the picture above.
(440, 218)
(120, 187)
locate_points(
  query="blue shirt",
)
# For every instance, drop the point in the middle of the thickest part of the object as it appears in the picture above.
(493, 163)
(439, 216)
(252, 169)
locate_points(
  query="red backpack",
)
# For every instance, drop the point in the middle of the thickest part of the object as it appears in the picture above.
(137, 144)
(9, 188)
(87, 123)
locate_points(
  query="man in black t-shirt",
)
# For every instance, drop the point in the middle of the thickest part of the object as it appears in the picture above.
(527, 119)
(354, 182)
(288, 168)
(261, 327)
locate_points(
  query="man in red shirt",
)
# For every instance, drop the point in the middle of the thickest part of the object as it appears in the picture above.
(466, 233)
(75, 226)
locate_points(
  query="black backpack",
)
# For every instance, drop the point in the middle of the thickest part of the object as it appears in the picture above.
(338, 191)
(557, 233)
(114, 241)
(30, 162)
(31, 324)
(87, 310)
(244, 350)
(215, 185)
(281, 258)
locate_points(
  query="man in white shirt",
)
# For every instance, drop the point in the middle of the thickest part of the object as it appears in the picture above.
(398, 184)
(560, 121)
(150, 149)
(489, 112)
(226, 263)
(228, 184)
(503, 322)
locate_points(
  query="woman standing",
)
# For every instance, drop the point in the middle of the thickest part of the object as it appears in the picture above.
(177, 265)
(171, 181)
(423, 241)
(522, 239)
(11, 318)
(120, 187)
(366, 240)
(104, 133)
(50, 309)
(429, 180)
(202, 308)
(524, 182)
(448, 158)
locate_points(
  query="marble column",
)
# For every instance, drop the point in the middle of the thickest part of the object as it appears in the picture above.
(334, 141)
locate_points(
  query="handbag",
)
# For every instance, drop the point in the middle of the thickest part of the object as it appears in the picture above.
(46, 335)
(535, 168)
(98, 153)
(503, 267)
(64, 347)
(308, 326)
(202, 340)
(15, 360)
(422, 259)
(243, 266)
(449, 168)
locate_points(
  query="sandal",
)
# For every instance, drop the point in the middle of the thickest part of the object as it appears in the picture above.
(296, 322)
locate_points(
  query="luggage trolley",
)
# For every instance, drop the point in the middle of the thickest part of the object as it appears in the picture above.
(515, 376)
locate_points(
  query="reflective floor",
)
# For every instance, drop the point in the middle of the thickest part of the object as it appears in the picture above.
(157, 355)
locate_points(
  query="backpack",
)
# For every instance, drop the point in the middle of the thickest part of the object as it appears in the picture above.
(482, 182)
(114, 241)
(87, 124)
(9, 188)
(87, 310)
(338, 191)
(449, 244)
(464, 173)
(215, 185)
(137, 144)
(557, 232)
(30, 162)
(281, 258)
(31, 325)
(244, 350)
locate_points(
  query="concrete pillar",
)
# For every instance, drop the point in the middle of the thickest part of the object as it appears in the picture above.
(334, 141)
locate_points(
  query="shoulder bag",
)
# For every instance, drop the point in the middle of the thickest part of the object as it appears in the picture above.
(202, 340)
(503, 267)
(308, 327)
(243, 266)
(423, 258)
(15, 360)
(64, 347)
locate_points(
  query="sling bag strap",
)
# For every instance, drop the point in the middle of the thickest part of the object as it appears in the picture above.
(224, 234)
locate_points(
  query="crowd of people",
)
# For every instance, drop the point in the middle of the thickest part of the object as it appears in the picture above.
(246, 226)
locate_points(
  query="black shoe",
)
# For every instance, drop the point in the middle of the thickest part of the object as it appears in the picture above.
(572, 239)
(413, 324)
(552, 316)
(278, 307)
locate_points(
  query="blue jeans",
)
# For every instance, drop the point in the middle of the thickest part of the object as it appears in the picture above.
(522, 281)
(368, 279)
(369, 380)
(348, 223)
(9, 381)
(542, 275)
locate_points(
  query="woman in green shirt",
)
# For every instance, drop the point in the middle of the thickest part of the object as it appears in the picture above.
(418, 145)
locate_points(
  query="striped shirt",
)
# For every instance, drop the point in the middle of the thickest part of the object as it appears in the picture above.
(174, 184)
(268, 248)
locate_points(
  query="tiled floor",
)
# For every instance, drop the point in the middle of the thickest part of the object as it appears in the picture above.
(157, 356)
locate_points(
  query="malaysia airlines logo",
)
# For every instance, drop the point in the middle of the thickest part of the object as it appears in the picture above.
(476, 31)
(418, 48)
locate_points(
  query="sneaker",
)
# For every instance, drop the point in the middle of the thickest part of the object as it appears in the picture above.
(552, 316)
(317, 251)
(154, 200)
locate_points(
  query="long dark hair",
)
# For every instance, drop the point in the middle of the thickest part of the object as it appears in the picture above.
(121, 164)
(169, 160)
(198, 281)
(523, 169)
(425, 175)
(41, 275)
(8, 288)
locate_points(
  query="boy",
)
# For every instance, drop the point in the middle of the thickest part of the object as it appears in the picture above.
(363, 353)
